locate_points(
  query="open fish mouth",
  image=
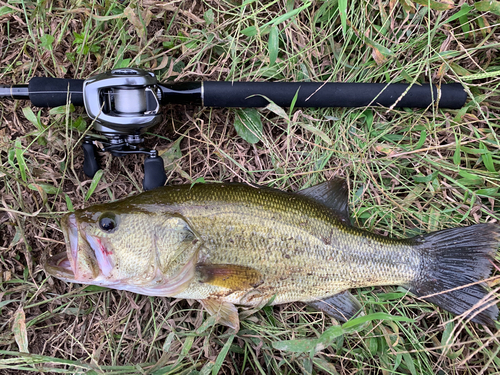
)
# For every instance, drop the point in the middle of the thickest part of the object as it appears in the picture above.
(63, 265)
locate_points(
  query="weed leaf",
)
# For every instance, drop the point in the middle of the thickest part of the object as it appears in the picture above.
(296, 346)
(62, 110)
(318, 132)
(222, 355)
(487, 158)
(19, 330)
(48, 188)
(343, 15)
(6, 10)
(488, 6)
(273, 45)
(276, 109)
(375, 316)
(20, 159)
(31, 117)
(463, 12)
(94, 183)
(248, 124)
(436, 5)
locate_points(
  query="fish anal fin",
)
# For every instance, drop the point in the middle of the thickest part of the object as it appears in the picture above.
(342, 306)
(334, 194)
(226, 313)
(230, 276)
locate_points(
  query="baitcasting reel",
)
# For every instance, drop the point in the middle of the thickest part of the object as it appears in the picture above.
(123, 103)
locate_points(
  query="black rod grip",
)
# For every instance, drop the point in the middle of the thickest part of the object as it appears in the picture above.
(53, 92)
(320, 94)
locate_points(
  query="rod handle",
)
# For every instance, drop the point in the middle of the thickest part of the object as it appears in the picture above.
(54, 92)
(331, 94)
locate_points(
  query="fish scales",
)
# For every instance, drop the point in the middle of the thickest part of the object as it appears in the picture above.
(235, 244)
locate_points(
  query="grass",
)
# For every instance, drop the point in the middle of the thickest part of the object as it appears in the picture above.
(409, 171)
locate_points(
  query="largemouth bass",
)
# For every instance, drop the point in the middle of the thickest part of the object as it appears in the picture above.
(234, 244)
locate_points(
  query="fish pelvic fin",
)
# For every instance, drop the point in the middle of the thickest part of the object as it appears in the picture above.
(226, 313)
(342, 306)
(454, 262)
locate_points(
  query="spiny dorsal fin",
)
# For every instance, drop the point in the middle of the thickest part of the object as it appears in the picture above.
(230, 276)
(333, 194)
(342, 306)
(226, 313)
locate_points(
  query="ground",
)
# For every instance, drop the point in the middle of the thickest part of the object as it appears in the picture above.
(409, 171)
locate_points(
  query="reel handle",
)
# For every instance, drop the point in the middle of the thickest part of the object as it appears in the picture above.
(154, 171)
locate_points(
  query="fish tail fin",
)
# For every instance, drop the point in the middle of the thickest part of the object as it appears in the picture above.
(456, 257)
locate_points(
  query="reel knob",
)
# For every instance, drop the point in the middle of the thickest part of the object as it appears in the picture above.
(90, 164)
(154, 172)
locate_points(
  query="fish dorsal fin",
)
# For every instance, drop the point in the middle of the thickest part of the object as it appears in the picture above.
(226, 313)
(342, 306)
(334, 194)
(230, 276)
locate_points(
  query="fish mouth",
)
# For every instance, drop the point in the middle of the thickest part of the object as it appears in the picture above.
(60, 266)
(64, 265)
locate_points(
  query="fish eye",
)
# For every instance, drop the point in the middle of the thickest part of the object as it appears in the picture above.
(107, 222)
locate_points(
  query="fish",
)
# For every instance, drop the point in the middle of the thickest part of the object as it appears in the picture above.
(233, 244)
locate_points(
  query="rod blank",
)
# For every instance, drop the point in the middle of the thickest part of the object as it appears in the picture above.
(14, 91)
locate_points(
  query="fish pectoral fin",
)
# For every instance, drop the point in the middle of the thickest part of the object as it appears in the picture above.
(226, 313)
(334, 194)
(229, 276)
(342, 306)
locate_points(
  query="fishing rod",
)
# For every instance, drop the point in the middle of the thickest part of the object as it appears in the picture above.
(123, 103)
